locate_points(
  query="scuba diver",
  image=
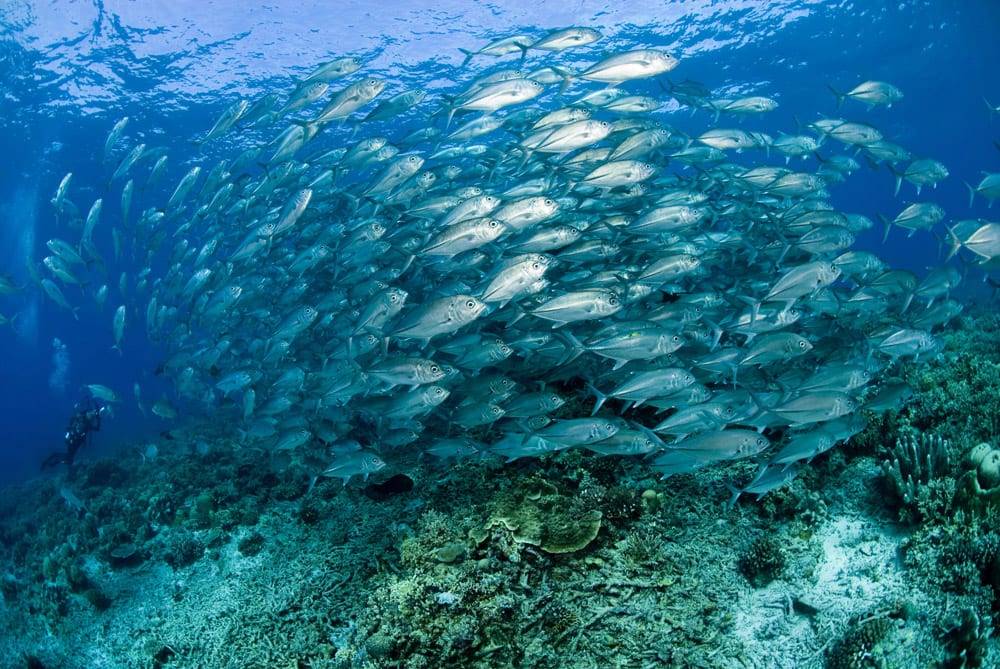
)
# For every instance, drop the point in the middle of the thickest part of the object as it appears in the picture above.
(85, 421)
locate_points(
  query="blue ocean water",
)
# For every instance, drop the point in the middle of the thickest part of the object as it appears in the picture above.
(69, 70)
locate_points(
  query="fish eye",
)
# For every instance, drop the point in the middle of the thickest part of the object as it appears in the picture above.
(802, 344)
(612, 300)
(471, 304)
(435, 369)
(494, 223)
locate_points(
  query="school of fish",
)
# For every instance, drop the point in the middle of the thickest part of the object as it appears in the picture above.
(537, 261)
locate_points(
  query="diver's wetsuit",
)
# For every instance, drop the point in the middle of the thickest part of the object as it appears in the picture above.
(87, 419)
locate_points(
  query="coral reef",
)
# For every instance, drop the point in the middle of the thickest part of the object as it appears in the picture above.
(978, 490)
(968, 639)
(202, 555)
(957, 395)
(536, 514)
(860, 647)
(917, 471)
(762, 561)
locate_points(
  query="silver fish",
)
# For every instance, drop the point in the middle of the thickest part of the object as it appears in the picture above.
(227, 119)
(500, 47)
(114, 136)
(723, 445)
(118, 326)
(871, 93)
(639, 64)
(439, 316)
(769, 477)
(349, 100)
(358, 463)
(578, 306)
(234, 382)
(406, 371)
(103, 393)
(52, 290)
(334, 69)
(567, 38)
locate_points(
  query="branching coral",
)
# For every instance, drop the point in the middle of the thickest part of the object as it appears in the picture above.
(915, 469)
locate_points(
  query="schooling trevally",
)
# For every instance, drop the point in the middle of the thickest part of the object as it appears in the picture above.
(474, 272)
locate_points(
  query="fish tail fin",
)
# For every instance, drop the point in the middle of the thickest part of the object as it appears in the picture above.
(736, 492)
(940, 242)
(570, 340)
(898, 175)
(888, 225)
(991, 108)
(601, 398)
(993, 284)
(717, 332)
(655, 438)
(566, 81)
(955, 244)
(840, 96)
(754, 313)
(972, 192)
(470, 54)
(907, 302)
(872, 163)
